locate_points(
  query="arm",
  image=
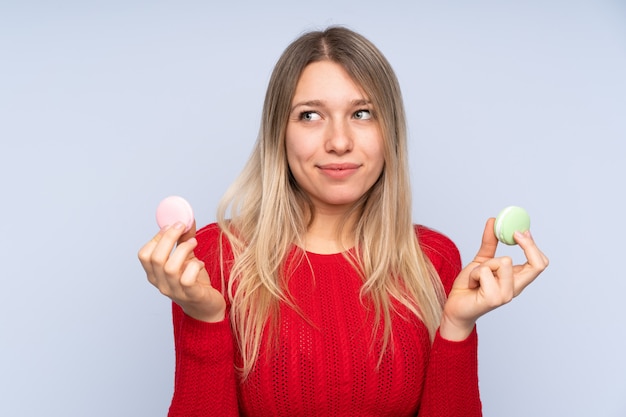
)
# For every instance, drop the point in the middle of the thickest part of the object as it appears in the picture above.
(205, 379)
(451, 385)
(186, 269)
(451, 381)
(483, 285)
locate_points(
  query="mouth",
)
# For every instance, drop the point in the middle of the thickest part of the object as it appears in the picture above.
(338, 167)
(339, 171)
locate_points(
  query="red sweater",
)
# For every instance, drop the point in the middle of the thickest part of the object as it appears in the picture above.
(329, 368)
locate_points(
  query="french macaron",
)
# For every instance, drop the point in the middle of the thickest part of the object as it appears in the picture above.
(510, 220)
(174, 209)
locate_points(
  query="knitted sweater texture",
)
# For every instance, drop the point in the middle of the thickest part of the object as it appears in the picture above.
(326, 364)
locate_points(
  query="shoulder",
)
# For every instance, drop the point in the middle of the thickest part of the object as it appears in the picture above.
(208, 235)
(212, 243)
(442, 253)
(215, 251)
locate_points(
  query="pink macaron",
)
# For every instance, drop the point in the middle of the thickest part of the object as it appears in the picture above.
(174, 209)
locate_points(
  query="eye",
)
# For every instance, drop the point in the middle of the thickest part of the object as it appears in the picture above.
(362, 114)
(309, 116)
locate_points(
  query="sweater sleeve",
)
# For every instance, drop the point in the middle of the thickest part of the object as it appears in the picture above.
(205, 375)
(205, 383)
(451, 383)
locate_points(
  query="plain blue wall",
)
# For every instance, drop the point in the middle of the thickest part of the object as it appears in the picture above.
(106, 107)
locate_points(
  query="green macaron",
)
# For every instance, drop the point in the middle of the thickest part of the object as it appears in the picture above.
(510, 220)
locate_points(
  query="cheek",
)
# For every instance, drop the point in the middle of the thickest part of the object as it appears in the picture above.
(293, 157)
(290, 151)
(298, 148)
(376, 151)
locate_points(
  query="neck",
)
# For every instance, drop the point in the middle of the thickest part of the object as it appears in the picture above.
(323, 235)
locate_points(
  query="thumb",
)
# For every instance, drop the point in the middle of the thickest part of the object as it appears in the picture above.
(188, 234)
(489, 243)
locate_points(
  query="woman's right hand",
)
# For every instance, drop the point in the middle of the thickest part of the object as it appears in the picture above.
(172, 267)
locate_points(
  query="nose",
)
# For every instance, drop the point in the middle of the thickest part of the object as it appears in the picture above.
(339, 138)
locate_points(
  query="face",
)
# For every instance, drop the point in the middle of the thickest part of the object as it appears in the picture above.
(333, 141)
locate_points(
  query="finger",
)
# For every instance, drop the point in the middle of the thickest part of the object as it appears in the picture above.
(149, 246)
(501, 268)
(488, 244)
(485, 279)
(166, 243)
(146, 251)
(496, 281)
(177, 263)
(506, 279)
(195, 282)
(189, 277)
(536, 262)
(182, 254)
(534, 256)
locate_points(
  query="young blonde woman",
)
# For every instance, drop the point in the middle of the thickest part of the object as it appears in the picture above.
(314, 293)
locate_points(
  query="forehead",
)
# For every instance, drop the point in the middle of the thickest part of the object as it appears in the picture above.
(327, 78)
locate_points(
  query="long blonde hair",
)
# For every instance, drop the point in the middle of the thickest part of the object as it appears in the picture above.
(264, 213)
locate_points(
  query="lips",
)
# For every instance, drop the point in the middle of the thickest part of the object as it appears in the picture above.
(339, 171)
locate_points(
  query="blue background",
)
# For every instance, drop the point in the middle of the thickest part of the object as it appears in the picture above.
(107, 107)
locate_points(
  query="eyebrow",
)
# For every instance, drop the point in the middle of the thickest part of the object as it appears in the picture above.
(318, 103)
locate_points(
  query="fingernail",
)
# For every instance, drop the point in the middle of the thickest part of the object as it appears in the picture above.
(178, 225)
(522, 235)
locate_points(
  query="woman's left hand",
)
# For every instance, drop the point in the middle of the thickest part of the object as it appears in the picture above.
(488, 282)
